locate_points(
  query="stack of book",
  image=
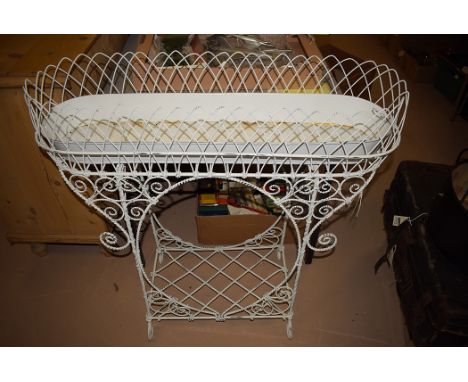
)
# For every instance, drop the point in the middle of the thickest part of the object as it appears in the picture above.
(222, 197)
(212, 198)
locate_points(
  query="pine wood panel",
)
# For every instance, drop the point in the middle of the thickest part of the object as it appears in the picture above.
(35, 203)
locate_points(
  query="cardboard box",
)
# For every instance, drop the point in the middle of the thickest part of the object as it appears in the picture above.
(233, 229)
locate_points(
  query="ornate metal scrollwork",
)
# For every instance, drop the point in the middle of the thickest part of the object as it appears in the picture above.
(127, 201)
(276, 303)
(117, 198)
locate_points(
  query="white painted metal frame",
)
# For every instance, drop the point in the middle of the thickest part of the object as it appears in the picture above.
(337, 122)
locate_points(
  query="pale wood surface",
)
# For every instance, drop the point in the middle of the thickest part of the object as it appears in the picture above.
(34, 198)
(28, 54)
(35, 203)
(22, 56)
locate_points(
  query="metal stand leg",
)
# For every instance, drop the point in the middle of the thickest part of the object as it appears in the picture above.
(150, 330)
(289, 329)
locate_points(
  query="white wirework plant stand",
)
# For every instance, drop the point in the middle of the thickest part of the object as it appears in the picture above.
(126, 130)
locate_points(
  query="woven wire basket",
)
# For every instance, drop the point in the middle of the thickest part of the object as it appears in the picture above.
(218, 114)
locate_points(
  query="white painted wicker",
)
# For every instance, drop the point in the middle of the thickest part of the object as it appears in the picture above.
(125, 130)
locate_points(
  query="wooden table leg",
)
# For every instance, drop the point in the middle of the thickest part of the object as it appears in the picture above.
(39, 249)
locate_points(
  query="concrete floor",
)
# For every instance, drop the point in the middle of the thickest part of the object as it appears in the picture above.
(76, 297)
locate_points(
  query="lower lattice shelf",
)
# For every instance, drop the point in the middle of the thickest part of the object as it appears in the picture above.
(249, 280)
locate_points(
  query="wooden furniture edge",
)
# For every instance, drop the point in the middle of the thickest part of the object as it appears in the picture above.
(52, 239)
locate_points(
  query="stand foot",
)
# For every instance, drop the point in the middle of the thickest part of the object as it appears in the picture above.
(289, 329)
(39, 249)
(150, 330)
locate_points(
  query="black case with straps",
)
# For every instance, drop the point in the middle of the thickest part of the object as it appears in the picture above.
(433, 290)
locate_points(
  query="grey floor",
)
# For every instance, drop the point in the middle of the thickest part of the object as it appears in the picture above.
(75, 296)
